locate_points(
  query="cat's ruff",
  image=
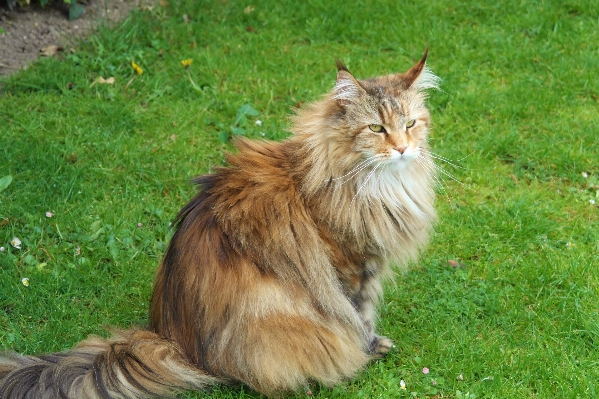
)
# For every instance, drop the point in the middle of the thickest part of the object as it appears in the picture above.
(275, 269)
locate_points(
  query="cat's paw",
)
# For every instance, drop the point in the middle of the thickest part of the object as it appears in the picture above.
(380, 346)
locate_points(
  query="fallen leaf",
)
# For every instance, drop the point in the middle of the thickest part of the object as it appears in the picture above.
(102, 81)
(453, 263)
(5, 182)
(50, 50)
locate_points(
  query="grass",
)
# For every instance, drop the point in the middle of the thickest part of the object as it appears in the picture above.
(519, 318)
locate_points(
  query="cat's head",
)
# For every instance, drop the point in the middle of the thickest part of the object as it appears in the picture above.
(385, 116)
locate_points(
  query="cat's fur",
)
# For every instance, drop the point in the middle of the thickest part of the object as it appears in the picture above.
(274, 272)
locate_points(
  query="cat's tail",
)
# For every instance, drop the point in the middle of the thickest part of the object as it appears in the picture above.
(133, 364)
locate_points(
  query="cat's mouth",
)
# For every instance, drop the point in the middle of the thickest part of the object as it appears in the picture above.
(403, 156)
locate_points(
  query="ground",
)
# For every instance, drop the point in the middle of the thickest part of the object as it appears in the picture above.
(30, 30)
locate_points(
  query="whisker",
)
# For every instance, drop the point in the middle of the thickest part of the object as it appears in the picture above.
(438, 179)
(446, 160)
(443, 187)
(381, 171)
(461, 159)
(439, 168)
(364, 183)
(382, 167)
(360, 165)
(446, 173)
(357, 169)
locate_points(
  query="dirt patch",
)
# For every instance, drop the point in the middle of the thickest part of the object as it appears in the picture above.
(30, 31)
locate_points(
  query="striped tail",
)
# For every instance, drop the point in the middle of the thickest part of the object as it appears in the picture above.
(133, 364)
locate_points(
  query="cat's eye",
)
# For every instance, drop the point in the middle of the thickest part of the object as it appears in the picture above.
(411, 123)
(377, 128)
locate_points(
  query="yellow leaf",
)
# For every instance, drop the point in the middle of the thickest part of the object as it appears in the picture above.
(50, 50)
(137, 68)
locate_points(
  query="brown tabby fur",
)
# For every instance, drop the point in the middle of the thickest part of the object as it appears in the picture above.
(274, 272)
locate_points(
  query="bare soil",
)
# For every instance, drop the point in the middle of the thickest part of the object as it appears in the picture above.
(29, 31)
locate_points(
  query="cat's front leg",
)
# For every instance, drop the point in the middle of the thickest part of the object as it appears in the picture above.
(365, 301)
(380, 346)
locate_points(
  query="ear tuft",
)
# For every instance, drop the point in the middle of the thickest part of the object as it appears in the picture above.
(420, 76)
(426, 80)
(347, 88)
(340, 66)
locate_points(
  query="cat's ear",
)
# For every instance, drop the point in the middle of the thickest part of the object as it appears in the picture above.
(347, 88)
(420, 76)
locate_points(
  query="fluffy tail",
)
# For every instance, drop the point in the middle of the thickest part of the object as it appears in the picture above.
(133, 364)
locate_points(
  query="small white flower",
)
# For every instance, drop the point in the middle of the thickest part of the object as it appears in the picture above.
(25, 281)
(259, 122)
(569, 245)
(2, 249)
(592, 202)
(139, 224)
(461, 377)
(585, 174)
(15, 242)
(77, 251)
(262, 134)
(49, 214)
(402, 384)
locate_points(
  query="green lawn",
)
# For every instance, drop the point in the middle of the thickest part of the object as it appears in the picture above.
(518, 113)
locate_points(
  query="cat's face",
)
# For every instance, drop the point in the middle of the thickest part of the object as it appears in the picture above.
(386, 117)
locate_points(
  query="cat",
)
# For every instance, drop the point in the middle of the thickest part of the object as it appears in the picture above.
(275, 268)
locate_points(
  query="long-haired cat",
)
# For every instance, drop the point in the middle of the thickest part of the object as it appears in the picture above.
(274, 272)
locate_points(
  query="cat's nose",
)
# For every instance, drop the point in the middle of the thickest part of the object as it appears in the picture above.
(401, 149)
